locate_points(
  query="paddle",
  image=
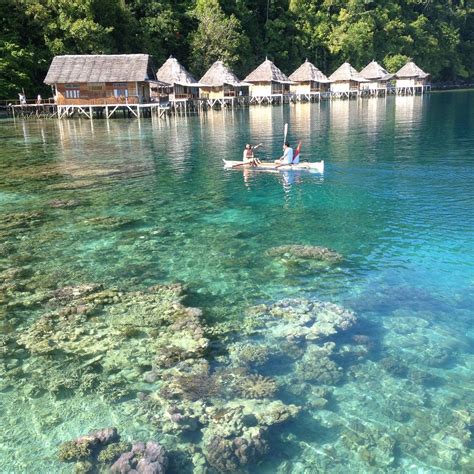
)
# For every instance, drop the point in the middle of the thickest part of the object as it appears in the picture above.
(284, 141)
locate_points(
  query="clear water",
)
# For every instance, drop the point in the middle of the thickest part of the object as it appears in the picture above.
(396, 200)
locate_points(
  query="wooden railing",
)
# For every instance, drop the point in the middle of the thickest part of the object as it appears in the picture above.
(111, 100)
(185, 96)
(6, 102)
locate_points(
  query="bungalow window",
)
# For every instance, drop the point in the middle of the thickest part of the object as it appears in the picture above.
(120, 89)
(72, 91)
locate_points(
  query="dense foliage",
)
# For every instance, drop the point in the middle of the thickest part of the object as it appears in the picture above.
(437, 34)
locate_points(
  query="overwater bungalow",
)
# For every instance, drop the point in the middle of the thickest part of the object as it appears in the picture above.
(100, 79)
(83, 83)
(411, 79)
(268, 84)
(378, 79)
(308, 82)
(345, 82)
(181, 86)
(221, 87)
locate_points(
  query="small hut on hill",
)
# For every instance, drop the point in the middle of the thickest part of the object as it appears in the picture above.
(181, 85)
(92, 79)
(267, 83)
(411, 79)
(308, 81)
(377, 78)
(345, 81)
(220, 85)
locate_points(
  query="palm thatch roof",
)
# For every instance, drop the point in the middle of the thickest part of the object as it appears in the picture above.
(346, 72)
(411, 70)
(99, 68)
(218, 75)
(173, 72)
(267, 72)
(374, 71)
(308, 72)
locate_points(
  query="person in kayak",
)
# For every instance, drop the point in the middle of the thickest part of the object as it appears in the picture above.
(249, 156)
(287, 158)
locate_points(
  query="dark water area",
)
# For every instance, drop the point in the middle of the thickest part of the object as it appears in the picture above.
(355, 360)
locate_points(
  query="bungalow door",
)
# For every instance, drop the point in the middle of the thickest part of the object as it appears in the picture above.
(121, 91)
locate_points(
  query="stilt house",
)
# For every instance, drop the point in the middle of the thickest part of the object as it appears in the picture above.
(220, 85)
(181, 84)
(345, 81)
(100, 79)
(377, 78)
(308, 81)
(411, 78)
(267, 83)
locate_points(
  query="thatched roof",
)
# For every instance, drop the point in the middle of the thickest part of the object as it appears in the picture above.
(99, 68)
(267, 72)
(308, 72)
(411, 70)
(346, 72)
(374, 71)
(173, 72)
(218, 75)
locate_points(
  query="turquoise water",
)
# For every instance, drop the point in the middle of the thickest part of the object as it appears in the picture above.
(132, 204)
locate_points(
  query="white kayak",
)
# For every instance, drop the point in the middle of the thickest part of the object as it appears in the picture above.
(317, 167)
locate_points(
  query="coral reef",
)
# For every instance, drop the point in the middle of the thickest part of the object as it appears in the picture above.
(113, 451)
(373, 446)
(251, 355)
(256, 386)
(102, 449)
(229, 455)
(303, 319)
(14, 223)
(308, 252)
(111, 222)
(149, 458)
(64, 203)
(77, 346)
(87, 446)
(394, 366)
(316, 366)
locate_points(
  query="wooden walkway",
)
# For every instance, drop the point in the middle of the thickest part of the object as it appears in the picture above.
(89, 111)
(48, 109)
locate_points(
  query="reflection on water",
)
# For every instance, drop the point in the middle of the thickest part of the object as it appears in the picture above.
(129, 204)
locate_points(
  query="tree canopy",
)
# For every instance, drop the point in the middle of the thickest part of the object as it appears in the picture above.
(437, 34)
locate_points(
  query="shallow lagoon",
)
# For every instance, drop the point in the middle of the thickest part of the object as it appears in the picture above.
(132, 204)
